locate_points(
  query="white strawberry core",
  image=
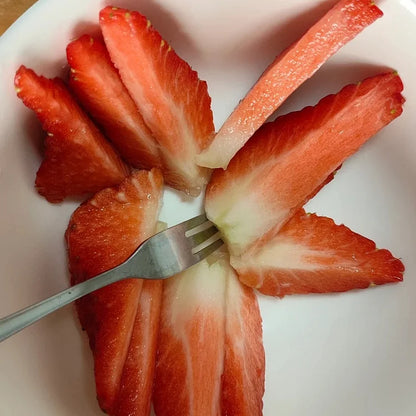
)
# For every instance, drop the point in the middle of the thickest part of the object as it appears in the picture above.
(242, 220)
(282, 254)
(199, 288)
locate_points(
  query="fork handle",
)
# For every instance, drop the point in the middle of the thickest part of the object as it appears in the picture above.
(15, 322)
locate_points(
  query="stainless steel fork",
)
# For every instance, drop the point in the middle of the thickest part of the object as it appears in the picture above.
(161, 256)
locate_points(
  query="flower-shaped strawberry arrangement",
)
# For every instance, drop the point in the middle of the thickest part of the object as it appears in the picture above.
(133, 117)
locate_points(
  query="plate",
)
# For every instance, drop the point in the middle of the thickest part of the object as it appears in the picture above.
(345, 354)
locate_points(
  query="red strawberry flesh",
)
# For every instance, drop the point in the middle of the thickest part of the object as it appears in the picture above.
(102, 233)
(286, 73)
(78, 160)
(174, 103)
(244, 360)
(287, 160)
(312, 254)
(136, 384)
(98, 87)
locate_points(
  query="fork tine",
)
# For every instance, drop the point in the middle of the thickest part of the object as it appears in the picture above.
(194, 222)
(172, 251)
(202, 236)
(205, 252)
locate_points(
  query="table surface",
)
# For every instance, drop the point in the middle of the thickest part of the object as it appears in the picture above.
(10, 10)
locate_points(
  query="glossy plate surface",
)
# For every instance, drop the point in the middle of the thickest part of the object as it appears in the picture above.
(347, 354)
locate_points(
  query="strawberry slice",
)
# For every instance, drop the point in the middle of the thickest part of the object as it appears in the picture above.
(136, 384)
(312, 254)
(210, 357)
(102, 233)
(78, 159)
(97, 86)
(286, 73)
(174, 103)
(287, 160)
(244, 361)
(191, 342)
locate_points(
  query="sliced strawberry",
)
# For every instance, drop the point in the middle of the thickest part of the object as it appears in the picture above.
(210, 357)
(174, 103)
(312, 254)
(287, 160)
(244, 361)
(286, 73)
(102, 233)
(78, 159)
(136, 384)
(191, 342)
(97, 85)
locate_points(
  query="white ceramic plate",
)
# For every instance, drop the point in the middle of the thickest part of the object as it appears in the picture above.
(346, 354)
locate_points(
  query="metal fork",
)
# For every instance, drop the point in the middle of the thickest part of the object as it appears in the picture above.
(161, 256)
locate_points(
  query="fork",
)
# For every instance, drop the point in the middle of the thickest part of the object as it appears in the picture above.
(165, 254)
